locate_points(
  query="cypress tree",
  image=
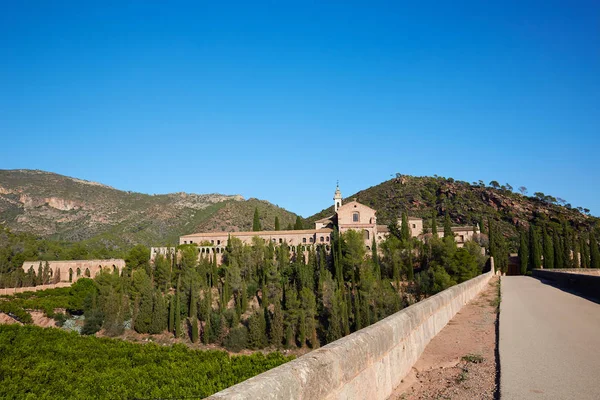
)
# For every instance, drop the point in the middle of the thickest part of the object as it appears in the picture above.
(558, 252)
(404, 229)
(277, 223)
(194, 328)
(576, 251)
(334, 331)
(256, 222)
(434, 231)
(548, 250)
(193, 308)
(448, 228)
(491, 238)
(524, 251)
(567, 259)
(481, 226)
(159, 314)
(257, 327)
(177, 313)
(298, 226)
(277, 325)
(594, 252)
(535, 252)
(171, 314)
(585, 252)
(375, 259)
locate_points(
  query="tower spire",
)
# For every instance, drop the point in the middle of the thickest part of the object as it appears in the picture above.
(337, 197)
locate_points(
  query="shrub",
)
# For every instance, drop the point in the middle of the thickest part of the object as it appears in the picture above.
(237, 339)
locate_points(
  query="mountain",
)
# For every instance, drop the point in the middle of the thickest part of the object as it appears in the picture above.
(467, 203)
(64, 208)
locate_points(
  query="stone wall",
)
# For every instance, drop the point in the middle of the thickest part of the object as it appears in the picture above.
(71, 270)
(582, 281)
(367, 364)
(11, 291)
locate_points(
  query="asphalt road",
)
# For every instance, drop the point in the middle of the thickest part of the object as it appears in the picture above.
(549, 342)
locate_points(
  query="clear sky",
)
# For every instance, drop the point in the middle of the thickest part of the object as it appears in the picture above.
(278, 100)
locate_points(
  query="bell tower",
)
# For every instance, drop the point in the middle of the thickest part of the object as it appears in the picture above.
(337, 198)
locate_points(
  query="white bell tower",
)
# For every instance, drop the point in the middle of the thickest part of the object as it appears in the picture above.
(337, 197)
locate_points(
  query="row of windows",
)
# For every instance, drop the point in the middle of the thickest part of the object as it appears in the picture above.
(322, 239)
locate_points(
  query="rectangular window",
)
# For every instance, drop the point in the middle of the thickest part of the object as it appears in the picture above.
(311, 240)
(280, 240)
(414, 226)
(355, 217)
(322, 239)
(303, 240)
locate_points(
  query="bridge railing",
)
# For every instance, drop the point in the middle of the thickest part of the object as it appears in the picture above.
(368, 364)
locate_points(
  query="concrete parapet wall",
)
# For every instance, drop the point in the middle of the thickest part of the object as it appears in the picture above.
(584, 281)
(11, 291)
(367, 364)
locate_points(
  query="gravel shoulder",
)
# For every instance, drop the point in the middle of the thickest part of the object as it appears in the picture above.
(460, 362)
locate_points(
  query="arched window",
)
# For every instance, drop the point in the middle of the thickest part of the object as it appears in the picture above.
(366, 234)
(87, 272)
(355, 216)
(78, 272)
(70, 274)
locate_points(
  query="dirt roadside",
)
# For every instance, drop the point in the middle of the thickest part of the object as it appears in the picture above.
(460, 362)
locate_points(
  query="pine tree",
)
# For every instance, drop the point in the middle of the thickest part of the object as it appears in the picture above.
(277, 223)
(548, 250)
(434, 230)
(535, 251)
(594, 252)
(256, 222)
(524, 251)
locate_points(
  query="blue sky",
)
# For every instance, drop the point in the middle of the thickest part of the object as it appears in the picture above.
(278, 100)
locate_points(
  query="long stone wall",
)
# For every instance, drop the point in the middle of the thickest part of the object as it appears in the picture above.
(11, 291)
(367, 364)
(583, 281)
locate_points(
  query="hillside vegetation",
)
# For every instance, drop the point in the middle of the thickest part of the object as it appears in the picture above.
(63, 208)
(469, 203)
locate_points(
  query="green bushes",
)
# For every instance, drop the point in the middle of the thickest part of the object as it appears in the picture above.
(50, 363)
(16, 311)
(237, 339)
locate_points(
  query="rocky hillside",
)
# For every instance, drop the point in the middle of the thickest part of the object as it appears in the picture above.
(60, 207)
(466, 203)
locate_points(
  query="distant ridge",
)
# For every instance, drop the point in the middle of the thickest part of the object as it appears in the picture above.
(62, 207)
(466, 203)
